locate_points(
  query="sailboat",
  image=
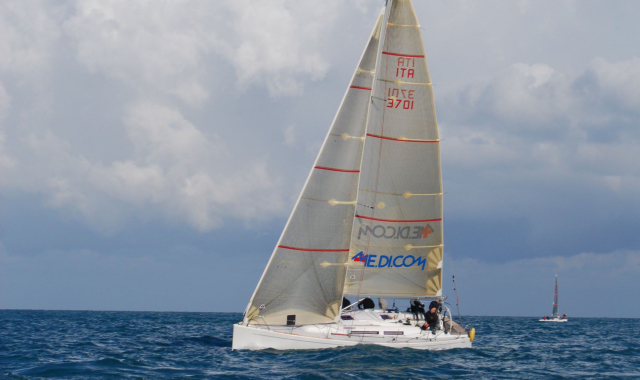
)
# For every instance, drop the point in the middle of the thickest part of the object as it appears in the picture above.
(368, 222)
(555, 317)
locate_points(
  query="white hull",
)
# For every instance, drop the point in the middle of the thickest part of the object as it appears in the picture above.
(553, 320)
(366, 329)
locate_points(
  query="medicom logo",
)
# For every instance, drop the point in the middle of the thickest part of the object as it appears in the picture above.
(390, 232)
(400, 261)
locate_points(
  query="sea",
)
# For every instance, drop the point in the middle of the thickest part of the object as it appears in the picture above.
(36, 344)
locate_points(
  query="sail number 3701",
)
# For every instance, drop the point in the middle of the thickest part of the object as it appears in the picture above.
(398, 98)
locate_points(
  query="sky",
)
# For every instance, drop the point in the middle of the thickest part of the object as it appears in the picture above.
(151, 151)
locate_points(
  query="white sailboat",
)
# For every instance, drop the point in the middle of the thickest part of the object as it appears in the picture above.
(368, 222)
(555, 317)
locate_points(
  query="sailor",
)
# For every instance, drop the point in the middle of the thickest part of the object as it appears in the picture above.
(436, 304)
(431, 320)
(384, 305)
(345, 302)
(417, 308)
(367, 303)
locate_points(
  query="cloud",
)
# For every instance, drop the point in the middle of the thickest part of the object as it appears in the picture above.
(587, 282)
(176, 171)
(539, 125)
(159, 45)
(28, 34)
(617, 81)
(130, 72)
(166, 46)
(152, 111)
(272, 43)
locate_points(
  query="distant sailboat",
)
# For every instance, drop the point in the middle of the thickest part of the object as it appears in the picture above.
(554, 316)
(368, 222)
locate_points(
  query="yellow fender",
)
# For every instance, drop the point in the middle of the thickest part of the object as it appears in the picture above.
(472, 334)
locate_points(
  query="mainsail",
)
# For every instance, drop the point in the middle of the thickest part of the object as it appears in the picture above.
(397, 229)
(369, 218)
(305, 275)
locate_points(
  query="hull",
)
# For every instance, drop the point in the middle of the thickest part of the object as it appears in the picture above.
(553, 320)
(367, 328)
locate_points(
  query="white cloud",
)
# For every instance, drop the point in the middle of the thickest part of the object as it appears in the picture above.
(28, 34)
(177, 171)
(619, 80)
(270, 43)
(534, 129)
(508, 135)
(274, 42)
(525, 287)
(290, 136)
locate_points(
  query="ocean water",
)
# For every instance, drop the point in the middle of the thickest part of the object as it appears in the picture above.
(153, 345)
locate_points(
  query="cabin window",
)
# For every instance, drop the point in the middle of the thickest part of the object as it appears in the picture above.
(291, 320)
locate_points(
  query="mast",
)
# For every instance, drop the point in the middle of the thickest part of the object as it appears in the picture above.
(555, 300)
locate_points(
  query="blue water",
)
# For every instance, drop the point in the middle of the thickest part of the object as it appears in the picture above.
(149, 345)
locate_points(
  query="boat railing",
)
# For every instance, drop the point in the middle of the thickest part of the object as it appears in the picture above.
(263, 320)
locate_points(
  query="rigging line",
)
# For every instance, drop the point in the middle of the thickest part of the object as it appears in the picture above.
(455, 290)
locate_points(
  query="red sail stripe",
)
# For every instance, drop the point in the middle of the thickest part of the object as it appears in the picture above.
(402, 55)
(399, 221)
(313, 250)
(337, 170)
(361, 88)
(401, 140)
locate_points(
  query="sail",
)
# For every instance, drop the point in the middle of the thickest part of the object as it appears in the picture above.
(396, 241)
(304, 279)
(555, 300)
